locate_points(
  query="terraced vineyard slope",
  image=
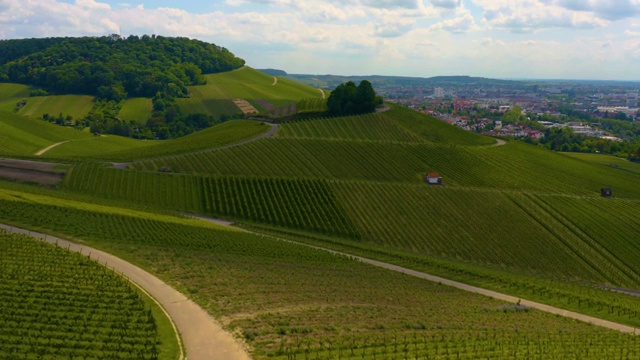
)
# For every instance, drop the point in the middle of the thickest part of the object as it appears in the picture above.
(290, 301)
(90, 311)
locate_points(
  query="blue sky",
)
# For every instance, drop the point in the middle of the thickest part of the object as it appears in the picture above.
(571, 39)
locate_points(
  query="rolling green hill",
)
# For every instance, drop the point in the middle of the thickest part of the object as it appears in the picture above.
(263, 91)
(509, 217)
(23, 136)
(117, 148)
(289, 301)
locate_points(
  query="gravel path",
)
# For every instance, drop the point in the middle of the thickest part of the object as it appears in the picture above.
(275, 81)
(202, 336)
(39, 153)
(459, 285)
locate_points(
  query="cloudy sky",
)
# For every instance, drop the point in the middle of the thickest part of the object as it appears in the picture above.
(568, 39)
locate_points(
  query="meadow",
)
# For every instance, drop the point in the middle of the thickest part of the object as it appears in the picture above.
(77, 106)
(23, 136)
(136, 109)
(290, 301)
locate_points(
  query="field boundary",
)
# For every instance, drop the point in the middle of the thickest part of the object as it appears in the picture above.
(198, 334)
(462, 286)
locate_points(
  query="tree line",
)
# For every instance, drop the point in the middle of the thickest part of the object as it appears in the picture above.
(113, 67)
(349, 99)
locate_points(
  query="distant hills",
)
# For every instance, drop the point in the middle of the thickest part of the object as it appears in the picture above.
(331, 81)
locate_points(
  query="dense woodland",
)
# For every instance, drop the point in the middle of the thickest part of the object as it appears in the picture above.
(113, 68)
(349, 99)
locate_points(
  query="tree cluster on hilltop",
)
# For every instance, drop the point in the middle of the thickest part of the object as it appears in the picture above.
(113, 67)
(349, 99)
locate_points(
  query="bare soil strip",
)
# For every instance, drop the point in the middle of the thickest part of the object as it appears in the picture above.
(202, 336)
(245, 106)
(459, 285)
(28, 164)
(32, 176)
(39, 153)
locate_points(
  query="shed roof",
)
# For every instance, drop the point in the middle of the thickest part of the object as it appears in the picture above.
(433, 175)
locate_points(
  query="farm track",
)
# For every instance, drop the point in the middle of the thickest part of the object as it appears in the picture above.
(41, 152)
(462, 286)
(203, 337)
(268, 134)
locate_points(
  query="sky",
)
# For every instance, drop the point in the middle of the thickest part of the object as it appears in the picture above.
(543, 39)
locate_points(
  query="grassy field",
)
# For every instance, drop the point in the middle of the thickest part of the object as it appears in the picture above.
(213, 107)
(261, 90)
(23, 136)
(11, 94)
(78, 106)
(97, 147)
(91, 312)
(136, 109)
(289, 301)
(117, 148)
(608, 161)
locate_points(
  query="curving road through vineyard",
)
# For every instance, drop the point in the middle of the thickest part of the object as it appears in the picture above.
(202, 337)
(456, 284)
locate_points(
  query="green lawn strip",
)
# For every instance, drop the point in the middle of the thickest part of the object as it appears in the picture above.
(76, 106)
(581, 297)
(136, 109)
(607, 161)
(97, 147)
(227, 133)
(287, 301)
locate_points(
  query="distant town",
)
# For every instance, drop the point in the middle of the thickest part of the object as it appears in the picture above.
(562, 115)
(458, 105)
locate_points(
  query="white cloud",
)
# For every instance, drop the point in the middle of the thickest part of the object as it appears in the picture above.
(458, 25)
(403, 37)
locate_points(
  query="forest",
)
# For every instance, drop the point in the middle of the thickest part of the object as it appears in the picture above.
(113, 67)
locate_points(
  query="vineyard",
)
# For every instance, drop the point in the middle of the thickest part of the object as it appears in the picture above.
(57, 304)
(499, 168)
(312, 105)
(509, 217)
(294, 302)
(371, 127)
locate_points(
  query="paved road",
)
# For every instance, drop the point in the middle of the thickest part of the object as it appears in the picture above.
(203, 337)
(459, 285)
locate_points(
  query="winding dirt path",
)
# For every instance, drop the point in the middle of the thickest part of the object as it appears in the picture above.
(268, 134)
(456, 284)
(202, 336)
(41, 152)
(499, 142)
(275, 81)
(323, 94)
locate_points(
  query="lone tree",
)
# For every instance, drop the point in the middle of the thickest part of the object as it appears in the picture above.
(349, 99)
